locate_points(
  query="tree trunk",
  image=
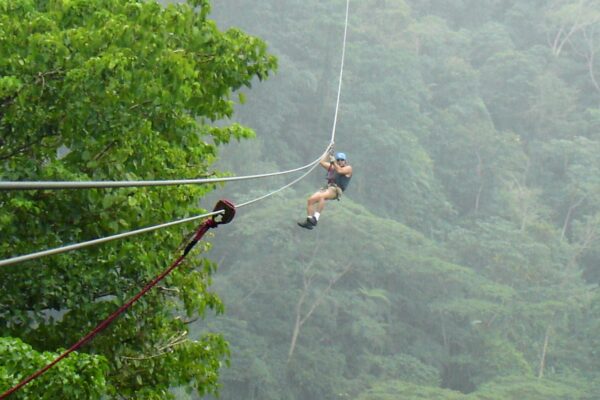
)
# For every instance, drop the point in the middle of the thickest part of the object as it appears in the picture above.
(544, 352)
(300, 320)
(568, 217)
(480, 176)
(295, 334)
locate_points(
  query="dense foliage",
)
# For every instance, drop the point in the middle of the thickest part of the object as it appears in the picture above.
(111, 90)
(463, 261)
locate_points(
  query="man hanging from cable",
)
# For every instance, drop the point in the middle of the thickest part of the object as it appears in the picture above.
(338, 177)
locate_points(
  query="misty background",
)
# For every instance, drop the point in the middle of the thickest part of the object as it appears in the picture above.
(462, 262)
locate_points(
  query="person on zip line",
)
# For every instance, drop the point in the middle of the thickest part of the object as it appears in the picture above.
(339, 173)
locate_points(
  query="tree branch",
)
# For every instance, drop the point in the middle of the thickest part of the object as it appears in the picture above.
(301, 320)
(174, 341)
(568, 216)
(24, 147)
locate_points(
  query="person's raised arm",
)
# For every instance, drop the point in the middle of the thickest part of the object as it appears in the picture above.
(327, 160)
(342, 170)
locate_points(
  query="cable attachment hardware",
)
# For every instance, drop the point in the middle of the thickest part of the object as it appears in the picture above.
(331, 150)
(224, 217)
(228, 212)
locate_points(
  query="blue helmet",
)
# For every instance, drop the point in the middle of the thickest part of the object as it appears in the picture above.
(340, 156)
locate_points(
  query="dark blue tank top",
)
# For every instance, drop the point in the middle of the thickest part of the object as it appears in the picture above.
(341, 181)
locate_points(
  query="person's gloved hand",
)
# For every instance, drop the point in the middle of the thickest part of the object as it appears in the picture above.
(331, 158)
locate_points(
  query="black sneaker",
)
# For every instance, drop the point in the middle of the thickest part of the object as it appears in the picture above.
(310, 223)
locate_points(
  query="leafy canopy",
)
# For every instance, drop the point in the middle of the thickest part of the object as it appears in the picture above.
(112, 90)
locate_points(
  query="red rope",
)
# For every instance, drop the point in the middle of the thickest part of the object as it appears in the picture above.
(209, 223)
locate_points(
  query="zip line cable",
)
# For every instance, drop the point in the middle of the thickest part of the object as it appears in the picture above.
(210, 223)
(283, 187)
(77, 246)
(93, 242)
(226, 209)
(65, 185)
(337, 103)
(59, 185)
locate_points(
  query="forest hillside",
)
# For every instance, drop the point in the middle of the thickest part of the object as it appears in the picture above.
(462, 263)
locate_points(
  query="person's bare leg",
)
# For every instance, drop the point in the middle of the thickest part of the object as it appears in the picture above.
(318, 199)
(329, 194)
(310, 222)
(310, 202)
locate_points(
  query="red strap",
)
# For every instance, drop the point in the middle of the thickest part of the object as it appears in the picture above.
(103, 325)
(205, 226)
(330, 174)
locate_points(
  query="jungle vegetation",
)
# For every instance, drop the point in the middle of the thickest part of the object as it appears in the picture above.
(461, 264)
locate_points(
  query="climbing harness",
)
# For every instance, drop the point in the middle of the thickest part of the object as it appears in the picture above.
(331, 175)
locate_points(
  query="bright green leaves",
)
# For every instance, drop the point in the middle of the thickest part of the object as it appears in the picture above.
(9, 86)
(114, 90)
(85, 374)
(235, 131)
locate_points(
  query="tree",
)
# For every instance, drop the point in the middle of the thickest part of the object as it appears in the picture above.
(507, 88)
(114, 90)
(566, 19)
(572, 166)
